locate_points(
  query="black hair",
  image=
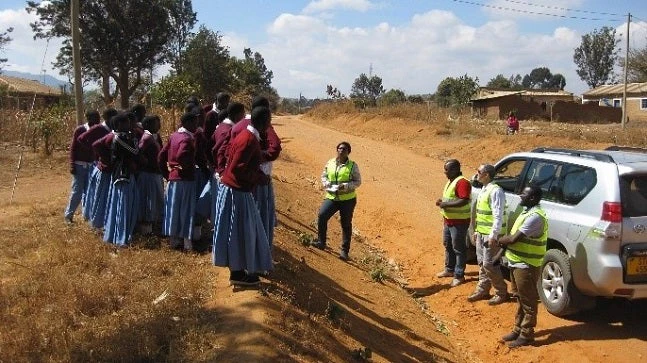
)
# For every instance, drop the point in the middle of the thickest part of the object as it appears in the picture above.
(489, 169)
(222, 115)
(107, 115)
(345, 143)
(235, 109)
(222, 97)
(93, 116)
(453, 163)
(535, 191)
(149, 121)
(119, 118)
(193, 100)
(139, 111)
(261, 117)
(188, 117)
(260, 101)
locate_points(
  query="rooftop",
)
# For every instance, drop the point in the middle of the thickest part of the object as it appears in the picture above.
(23, 85)
(616, 89)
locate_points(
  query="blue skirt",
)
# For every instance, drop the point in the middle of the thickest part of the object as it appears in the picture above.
(151, 197)
(203, 206)
(91, 187)
(239, 240)
(122, 212)
(264, 196)
(101, 194)
(179, 209)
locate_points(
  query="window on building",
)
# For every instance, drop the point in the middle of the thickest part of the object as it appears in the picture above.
(617, 103)
(643, 103)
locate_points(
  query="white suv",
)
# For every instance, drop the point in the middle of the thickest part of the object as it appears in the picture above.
(596, 204)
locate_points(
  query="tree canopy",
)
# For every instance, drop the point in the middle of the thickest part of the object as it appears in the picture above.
(366, 90)
(456, 91)
(4, 40)
(206, 63)
(637, 66)
(119, 39)
(542, 78)
(596, 56)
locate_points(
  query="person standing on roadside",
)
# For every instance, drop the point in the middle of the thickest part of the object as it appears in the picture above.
(81, 159)
(489, 225)
(340, 178)
(525, 250)
(455, 208)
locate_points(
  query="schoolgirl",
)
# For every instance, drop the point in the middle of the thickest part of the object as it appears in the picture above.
(149, 179)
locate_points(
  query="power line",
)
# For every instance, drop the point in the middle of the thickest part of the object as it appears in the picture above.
(531, 12)
(559, 8)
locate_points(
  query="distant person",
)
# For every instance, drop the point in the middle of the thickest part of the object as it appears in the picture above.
(177, 164)
(512, 124)
(121, 208)
(81, 163)
(456, 210)
(340, 178)
(239, 239)
(489, 224)
(149, 179)
(525, 250)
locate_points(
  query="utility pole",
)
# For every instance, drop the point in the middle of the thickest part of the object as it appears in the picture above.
(76, 59)
(624, 88)
(299, 104)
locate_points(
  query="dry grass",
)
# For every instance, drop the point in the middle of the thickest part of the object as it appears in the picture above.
(65, 296)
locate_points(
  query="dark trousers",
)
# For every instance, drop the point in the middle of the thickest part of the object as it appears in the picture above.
(327, 210)
(454, 240)
(525, 279)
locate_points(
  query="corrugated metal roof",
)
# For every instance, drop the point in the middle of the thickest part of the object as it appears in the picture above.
(486, 94)
(23, 85)
(616, 89)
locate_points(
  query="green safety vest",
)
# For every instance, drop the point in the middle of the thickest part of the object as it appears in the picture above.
(526, 249)
(338, 174)
(449, 194)
(484, 217)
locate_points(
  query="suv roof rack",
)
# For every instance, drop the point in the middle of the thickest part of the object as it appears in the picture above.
(627, 148)
(580, 153)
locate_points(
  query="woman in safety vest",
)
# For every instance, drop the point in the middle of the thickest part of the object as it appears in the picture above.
(340, 178)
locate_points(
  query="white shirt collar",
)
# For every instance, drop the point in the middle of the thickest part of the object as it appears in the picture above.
(228, 121)
(251, 129)
(148, 132)
(182, 129)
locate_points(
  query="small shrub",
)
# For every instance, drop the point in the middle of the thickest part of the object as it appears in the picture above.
(334, 311)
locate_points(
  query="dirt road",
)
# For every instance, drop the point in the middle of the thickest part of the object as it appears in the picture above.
(396, 213)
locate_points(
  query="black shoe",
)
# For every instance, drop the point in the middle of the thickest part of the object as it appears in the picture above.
(478, 295)
(520, 342)
(319, 245)
(510, 337)
(247, 280)
(343, 255)
(498, 299)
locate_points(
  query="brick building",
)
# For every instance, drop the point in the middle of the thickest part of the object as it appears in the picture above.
(20, 93)
(611, 96)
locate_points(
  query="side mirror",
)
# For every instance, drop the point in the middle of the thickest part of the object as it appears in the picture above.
(475, 182)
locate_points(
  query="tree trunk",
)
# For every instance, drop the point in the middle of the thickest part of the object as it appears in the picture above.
(122, 84)
(105, 88)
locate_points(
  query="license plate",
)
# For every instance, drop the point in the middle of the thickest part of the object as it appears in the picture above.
(637, 265)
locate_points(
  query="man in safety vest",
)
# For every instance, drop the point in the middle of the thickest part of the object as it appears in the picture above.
(489, 225)
(526, 247)
(455, 208)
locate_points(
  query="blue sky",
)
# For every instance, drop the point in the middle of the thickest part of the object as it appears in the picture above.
(411, 44)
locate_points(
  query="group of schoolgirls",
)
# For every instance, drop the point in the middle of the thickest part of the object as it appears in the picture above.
(115, 174)
(118, 166)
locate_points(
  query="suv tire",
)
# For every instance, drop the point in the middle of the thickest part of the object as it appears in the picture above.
(555, 285)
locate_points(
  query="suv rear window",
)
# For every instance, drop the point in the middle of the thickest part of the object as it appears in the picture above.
(561, 183)
(633, 192)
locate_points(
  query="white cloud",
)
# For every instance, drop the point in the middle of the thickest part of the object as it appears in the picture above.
(23, 53)
(306, 54)
(325, 5)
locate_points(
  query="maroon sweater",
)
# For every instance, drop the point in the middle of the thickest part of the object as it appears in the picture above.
(78, 150)
(243, 161)
(149, 149)
(103, 151)
(177, 158)
(95, 132)
(270, 141)
(221, 143)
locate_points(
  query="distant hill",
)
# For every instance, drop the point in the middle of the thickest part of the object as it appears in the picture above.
(47, 79)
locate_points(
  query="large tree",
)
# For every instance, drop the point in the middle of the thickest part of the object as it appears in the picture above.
(250, 73)
(542, 78)
(637, 66)
(4, 40)
(500, 81)
(206, 63)
(120, 40)
(366, 90)
(596, 56)
(182, 19)
(456, 91)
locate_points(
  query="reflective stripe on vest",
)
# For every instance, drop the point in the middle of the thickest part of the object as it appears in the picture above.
(449, 194)
(484, 217)
(526, 249)
(338, 174)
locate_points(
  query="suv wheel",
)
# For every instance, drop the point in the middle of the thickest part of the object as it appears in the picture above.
(555, 286)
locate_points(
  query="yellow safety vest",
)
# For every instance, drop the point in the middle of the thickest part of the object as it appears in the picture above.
(526, 249)
(449, 194)
(338, 174)
(484, 217)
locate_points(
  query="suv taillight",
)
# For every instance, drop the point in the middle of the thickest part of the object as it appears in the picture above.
(612, 212)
